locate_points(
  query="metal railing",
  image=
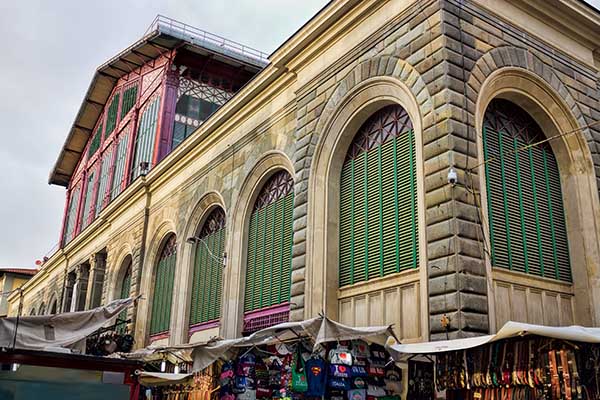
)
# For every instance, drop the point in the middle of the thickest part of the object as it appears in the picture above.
(203, 38)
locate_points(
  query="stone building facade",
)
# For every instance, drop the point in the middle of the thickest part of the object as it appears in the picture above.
(443, 62)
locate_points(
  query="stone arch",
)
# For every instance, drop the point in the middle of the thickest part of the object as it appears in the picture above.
(238, 230)
(115, 269)
(508, 56)
(517, 75)
(53, 307)
(378, 78)
(125, 263)
(336, 132)
(193, 221)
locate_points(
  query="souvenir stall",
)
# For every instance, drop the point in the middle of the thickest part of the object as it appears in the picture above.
(521, 361)
(317, 358)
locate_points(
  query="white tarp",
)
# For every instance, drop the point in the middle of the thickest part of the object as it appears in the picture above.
(67, 330)
(157, 378)
(319, 329)
(509, 330)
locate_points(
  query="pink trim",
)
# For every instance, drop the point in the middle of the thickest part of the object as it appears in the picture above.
(203, 326)
(266, 311)
(159, 336)
(167, 117)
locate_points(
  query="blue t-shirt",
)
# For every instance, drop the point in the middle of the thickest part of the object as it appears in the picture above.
(316, 376)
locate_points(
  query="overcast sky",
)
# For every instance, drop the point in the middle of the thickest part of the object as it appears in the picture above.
(50, 50)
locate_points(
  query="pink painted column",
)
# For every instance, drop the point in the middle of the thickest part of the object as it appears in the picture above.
(164, 129)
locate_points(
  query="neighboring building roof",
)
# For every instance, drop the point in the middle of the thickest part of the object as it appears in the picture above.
(164, 34)
(21, 271)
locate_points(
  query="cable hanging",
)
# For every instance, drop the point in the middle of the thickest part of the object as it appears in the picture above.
(518, 149)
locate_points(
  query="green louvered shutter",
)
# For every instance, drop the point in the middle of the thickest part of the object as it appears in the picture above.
(269, 259)
(125, 289)
(145, 138)
(378, 200)
(208, 270)
(111, 115)
(163, 288)
(129, 99)
(95, 143)
(525, 209)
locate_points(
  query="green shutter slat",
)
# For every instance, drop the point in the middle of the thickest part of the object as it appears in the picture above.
(268, 272)
(378, 217)
(525, 208)
(129, 99)
(111, 115)
(523, 235)
(162, 297)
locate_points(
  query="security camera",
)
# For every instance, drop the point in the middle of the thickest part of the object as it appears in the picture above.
(452, 176)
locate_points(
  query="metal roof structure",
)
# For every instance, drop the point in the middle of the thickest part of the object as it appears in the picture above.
(163, 35)
(20, 271)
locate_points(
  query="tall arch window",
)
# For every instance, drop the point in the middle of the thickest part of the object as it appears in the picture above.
(54, 306)
(525, 207)
(163, 287)
(125, 291)
(208, 270)
(269, 258)
(378, 200)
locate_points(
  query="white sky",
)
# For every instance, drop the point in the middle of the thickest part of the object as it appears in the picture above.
(50, 50)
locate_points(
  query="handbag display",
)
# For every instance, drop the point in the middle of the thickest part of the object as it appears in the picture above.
(299, 382)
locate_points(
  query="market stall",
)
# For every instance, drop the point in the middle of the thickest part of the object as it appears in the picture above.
(309, 359)
(521, 361)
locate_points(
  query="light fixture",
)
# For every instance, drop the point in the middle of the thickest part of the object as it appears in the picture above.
(144, 167)
(224, 259)
(452, 176)
(176, 369)
(163, 366)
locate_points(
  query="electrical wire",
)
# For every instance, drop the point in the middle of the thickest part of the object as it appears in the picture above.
(527, 146)
(210, 253)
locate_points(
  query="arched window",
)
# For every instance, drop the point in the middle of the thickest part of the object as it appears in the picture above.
(525, 208)
(269, 258)
(378, 200)
(42, 309)
(32, 312)
(54, 306)
(208, 270)
(125, 290)
(163, 287)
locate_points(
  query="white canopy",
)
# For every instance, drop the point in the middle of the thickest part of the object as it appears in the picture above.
(66, 330)
(509, 330)
(319, 329)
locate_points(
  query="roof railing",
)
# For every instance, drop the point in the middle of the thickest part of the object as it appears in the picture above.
(206, 39)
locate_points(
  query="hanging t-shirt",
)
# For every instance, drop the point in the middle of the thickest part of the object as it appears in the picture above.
(316, 376)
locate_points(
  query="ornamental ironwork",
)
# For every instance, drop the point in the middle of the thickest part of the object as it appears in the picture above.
(214, 222)
(200, 91)
(504, 116)
(169, 248)
(387, 123)
(277, 187)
